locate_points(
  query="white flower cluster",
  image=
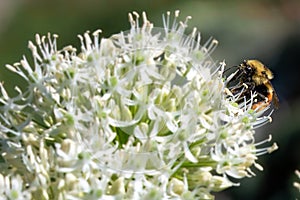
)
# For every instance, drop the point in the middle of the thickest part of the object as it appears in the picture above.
(143, 114)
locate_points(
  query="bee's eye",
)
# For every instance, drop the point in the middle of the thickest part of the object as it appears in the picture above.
(248, 70)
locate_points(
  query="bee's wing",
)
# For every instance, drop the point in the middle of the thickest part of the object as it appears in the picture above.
(275, 97)
(275, 100)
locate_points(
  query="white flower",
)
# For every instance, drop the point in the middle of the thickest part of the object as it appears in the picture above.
(143, 114)
(12, 187)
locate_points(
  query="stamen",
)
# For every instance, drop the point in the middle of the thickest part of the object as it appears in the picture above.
(96, 38)
(38, 39)
(136, 19)
(177, 13)
(212, 45)
(131, 20)
(145, 18)
(274, 147)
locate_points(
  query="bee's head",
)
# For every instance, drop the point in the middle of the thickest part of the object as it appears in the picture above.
(257, 68)
(247, 68)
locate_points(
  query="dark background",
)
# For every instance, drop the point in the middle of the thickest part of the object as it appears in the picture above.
(264, 30)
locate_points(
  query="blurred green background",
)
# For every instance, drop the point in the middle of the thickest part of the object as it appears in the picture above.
(264, 30)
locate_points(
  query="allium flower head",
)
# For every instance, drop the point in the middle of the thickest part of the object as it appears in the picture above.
(143, 114)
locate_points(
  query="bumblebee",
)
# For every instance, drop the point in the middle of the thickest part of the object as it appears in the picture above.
(252, 79)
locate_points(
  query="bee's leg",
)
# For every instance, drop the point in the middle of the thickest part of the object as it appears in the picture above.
(237, 89)
(259, 106)
(263, 97)
(240, 86)
(250, 85)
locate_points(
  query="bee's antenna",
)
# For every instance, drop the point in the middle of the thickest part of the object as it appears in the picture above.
(230, 68)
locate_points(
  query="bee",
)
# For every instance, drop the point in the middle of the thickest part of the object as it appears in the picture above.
(253, 78)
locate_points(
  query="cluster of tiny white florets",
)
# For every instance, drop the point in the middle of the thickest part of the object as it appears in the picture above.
(143, 114)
